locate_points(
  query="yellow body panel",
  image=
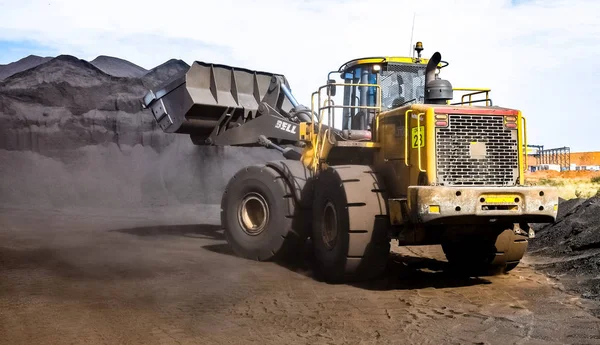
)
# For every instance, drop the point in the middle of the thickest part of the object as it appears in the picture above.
(409, 163)
(404, 146)
(520, 141)
(403, 152)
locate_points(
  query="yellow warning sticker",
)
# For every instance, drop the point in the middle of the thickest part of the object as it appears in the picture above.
(418, 137)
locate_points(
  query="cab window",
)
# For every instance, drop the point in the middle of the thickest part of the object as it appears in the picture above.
(355, 95)
(401, 84)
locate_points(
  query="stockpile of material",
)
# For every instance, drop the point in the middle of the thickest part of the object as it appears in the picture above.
(570, 248)
(73, 133)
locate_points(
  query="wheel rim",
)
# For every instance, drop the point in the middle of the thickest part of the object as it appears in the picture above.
(253, 214)
(329, 228)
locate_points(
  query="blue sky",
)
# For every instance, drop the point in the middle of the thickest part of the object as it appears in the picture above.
(537, 56)
(14, 50)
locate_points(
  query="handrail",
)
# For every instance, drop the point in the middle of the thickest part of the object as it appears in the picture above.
(318, 92)
(406, 142)
(316, 140)
(406, 136)
(350, 106)
(419, 135)
(526, 165)
(476, 90)
(486, 100)
(313, 138)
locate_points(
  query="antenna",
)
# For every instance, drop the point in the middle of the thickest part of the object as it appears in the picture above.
(411, 52)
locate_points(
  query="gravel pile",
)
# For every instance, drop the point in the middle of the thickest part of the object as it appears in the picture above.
(73, 135)
(570, 248)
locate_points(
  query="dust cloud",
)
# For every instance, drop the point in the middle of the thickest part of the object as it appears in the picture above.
(110, 175)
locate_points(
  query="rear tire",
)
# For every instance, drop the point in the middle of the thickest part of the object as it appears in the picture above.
(487, 253)
(350, 225)
(257, 215)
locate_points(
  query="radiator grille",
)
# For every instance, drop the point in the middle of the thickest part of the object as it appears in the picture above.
(476, 150)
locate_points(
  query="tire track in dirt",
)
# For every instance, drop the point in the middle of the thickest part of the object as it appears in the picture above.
(153, 277)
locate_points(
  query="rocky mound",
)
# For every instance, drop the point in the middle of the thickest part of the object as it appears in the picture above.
(571, 246)
(576, 229)
(74, 84)
(118, 67)
(72, 134)
(21, 65)
(68, 103)
(162, 73)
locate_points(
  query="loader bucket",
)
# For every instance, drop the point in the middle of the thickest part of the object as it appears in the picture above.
(210, 95)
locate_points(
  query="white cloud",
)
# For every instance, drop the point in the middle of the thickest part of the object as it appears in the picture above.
(538, 56)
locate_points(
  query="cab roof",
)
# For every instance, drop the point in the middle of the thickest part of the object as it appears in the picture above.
(381, 60)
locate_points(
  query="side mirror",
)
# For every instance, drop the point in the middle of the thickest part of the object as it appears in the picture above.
(331, 87)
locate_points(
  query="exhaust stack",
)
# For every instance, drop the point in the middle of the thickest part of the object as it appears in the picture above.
(437, 91)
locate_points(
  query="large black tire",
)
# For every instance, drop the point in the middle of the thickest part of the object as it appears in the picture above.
(348, 200)
(258, 195)
(486, 253)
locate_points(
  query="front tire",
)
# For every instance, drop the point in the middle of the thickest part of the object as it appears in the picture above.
(350, 225)
(257, 215)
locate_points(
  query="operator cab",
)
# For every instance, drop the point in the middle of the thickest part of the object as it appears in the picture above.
(399, 80)
(402, 81)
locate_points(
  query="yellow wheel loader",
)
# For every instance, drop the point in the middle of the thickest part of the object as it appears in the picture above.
(404, 162)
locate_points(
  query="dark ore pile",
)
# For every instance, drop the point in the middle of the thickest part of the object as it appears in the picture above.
(73, 134)
(570, 248)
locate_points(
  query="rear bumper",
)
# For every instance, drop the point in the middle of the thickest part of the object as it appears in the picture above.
(468, 205)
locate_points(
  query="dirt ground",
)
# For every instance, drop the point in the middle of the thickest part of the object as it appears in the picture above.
(166, 276)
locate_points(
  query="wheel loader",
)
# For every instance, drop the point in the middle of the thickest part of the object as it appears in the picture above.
(398, 159)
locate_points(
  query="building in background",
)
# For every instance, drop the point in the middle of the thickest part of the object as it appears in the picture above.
(561, 159)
